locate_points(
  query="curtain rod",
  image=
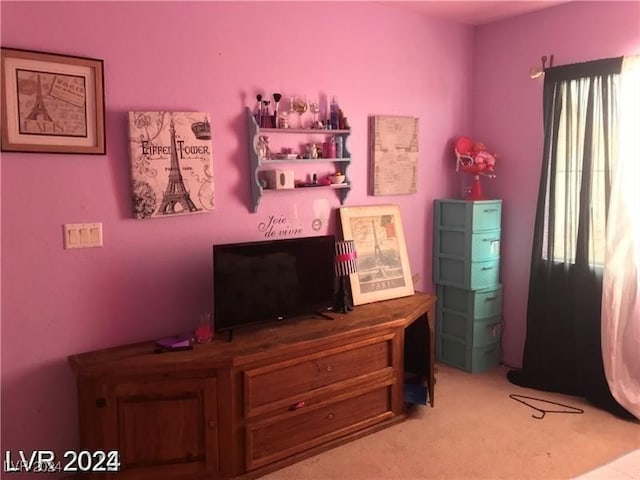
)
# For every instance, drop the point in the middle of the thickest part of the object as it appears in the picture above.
(575, 70)
(535, 72)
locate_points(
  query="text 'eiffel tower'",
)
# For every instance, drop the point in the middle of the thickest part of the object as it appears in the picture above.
(176, 192)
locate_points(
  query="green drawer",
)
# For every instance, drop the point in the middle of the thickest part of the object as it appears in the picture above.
(462, 273)
(478, 332)
(472, 303)
(476, 246)
(467, 357)
(468, 215)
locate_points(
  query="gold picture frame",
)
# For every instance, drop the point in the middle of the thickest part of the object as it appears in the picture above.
(382, 260)
(52, 103)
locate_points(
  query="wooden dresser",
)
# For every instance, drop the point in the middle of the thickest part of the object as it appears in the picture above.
(272, 396)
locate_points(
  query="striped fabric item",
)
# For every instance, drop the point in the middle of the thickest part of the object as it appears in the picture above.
(346, 258)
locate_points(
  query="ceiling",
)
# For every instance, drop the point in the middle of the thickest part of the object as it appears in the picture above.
(472, 13)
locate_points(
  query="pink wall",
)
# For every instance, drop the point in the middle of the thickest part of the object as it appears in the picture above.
(153, 277)
(507, 116)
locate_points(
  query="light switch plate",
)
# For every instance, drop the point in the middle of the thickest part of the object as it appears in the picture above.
(82, 235)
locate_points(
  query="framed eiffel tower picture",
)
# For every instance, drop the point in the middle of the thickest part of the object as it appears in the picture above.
(383, 270)
(52, 103)
(171, 164)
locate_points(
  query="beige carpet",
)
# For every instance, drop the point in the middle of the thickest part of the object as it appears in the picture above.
(626, 467)
(476, 431)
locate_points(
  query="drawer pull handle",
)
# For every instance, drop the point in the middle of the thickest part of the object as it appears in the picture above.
(487, 268)
(490, 299)
(492, 240)
(487, 210)
(330, 416)
(329, 368)
(297, 406)
(489, 352)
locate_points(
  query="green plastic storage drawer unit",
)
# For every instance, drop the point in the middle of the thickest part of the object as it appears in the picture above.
(467, 243)
(469, 358)
(466, 271)
(469, 327)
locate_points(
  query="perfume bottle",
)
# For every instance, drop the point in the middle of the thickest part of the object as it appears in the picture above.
(339, 146)
(334, 113)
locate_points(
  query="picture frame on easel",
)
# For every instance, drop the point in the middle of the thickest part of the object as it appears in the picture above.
(383, 270)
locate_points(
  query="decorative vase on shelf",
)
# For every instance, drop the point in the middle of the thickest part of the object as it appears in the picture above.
(474, 192)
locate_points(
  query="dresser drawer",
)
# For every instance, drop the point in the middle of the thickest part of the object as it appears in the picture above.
(476, 246)
(303, 429)
(475, 332)
(471, 303)
(283, 384)
(463, 273)
(467, 215)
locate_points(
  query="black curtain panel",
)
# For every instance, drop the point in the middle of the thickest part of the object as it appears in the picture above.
(562, 350)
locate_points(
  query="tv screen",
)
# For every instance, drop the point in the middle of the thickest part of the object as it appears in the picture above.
(272, 280)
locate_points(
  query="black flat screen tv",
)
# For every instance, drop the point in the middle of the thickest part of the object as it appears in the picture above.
(266, 281)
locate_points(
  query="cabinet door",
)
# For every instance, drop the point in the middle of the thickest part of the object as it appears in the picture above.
(164, 428)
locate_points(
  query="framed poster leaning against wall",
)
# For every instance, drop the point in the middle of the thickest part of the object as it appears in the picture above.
(382, 260)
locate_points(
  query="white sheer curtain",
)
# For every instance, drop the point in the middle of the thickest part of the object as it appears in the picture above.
(621, 281)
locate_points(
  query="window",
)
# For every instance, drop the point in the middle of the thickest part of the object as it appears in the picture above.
(584, 149)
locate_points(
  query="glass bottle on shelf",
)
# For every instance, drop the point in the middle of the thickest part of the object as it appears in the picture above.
(334, 112)
(329, 148)
(300, 106)
(283, 119)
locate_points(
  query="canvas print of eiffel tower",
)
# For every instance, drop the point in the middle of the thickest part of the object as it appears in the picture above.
(171, 163)
(394, 155)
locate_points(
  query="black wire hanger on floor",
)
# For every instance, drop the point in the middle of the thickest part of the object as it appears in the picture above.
(519, 398)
